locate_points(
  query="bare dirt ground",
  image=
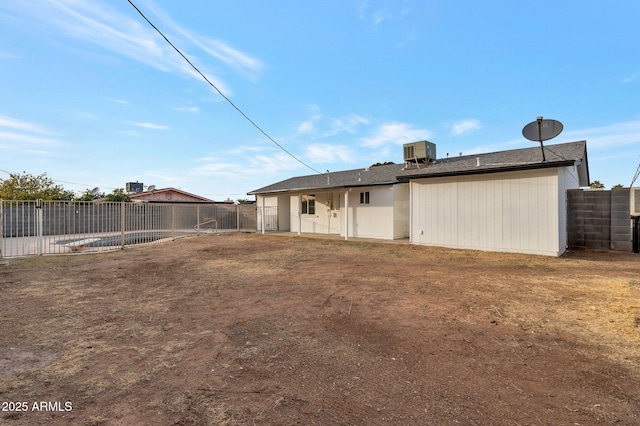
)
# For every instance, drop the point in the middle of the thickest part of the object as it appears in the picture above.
(268, 330)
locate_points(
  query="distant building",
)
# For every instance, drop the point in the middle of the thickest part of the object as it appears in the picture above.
(168, 195)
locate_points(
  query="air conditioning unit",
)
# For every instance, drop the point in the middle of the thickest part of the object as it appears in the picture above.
(422, 151)
(134, 187)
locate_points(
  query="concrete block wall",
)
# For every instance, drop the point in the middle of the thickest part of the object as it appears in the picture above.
(599, 219)
(621, 229)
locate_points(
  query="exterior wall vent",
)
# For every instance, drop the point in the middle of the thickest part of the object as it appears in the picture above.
(422, 151)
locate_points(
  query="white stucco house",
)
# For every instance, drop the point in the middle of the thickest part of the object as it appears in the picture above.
(509, 201)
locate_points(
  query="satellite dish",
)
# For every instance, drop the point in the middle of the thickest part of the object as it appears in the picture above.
(542, 130)
(95, 191)
(151, 188)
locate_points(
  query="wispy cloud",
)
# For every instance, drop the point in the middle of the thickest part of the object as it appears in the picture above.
(241, 62)
(326, 126)
(395, 133)
(378, 14)
(257, 167)
(17, 137)
(461, 127)
(631, 78)
(306, 127)
(193, 109)
(322, 153)
(152, 126)
(348, 124)
(99, 24)
(16, 124)
(607, 137)
(24, 136)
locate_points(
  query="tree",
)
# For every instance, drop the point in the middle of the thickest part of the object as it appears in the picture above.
(118, 194)
(617, 186)
(596, 184)
(25, 186)
(382, 164)
(88, 195)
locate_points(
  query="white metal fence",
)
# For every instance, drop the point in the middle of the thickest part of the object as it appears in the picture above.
(57, 227)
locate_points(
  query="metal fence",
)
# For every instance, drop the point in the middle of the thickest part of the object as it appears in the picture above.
(57, 227)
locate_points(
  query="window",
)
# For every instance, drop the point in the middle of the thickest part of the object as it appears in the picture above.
(364, 197)
(308, 204)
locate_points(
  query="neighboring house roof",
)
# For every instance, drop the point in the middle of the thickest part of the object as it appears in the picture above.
(168, 194)
(560, 155)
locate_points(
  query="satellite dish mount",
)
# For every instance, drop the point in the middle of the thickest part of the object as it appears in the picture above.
(542, 130)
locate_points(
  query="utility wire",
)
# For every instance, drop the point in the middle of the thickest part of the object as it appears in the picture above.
(218, 90)
(55, 180)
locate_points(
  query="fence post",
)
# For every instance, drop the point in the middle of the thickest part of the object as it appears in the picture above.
(198, 219)
(238, 217)
(122, 224)
(636, 234)
(173, 221)
(1, 230)
(39, 225)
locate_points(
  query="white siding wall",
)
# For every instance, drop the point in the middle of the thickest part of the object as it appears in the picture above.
(568, 178)
(326, 219)
(514, 212)
(373, 220)
(401, 211)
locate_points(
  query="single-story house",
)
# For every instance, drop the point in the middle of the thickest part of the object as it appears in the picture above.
(510, 201)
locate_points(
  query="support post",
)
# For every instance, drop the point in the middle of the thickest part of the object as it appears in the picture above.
(262, 216)
(346, 215)
(299, 214)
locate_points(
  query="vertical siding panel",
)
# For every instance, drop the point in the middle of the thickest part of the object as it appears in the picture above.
(475, 213)
(498, 188)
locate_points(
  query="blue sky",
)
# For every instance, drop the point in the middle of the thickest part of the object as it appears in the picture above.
(94, 97)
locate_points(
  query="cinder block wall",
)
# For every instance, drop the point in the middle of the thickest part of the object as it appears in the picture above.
(599, 219)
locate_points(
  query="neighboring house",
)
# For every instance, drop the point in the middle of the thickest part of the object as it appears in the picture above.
(509, 201)
(168, 195)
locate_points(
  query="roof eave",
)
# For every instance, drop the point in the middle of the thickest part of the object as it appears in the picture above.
(510, 168)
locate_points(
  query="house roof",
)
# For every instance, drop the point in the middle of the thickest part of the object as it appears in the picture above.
(559, 155)
(156, 195)
(376, 175)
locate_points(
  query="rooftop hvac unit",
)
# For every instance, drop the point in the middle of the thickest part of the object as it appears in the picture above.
(135, 187)
(419, 151)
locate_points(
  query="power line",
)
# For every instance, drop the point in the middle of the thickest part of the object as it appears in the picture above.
(218, 90)
(56, 180)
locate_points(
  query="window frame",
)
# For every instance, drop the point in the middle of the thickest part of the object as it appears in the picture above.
(365, 197)
(308, 204)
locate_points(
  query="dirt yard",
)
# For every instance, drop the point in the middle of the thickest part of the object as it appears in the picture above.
(270, 330)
